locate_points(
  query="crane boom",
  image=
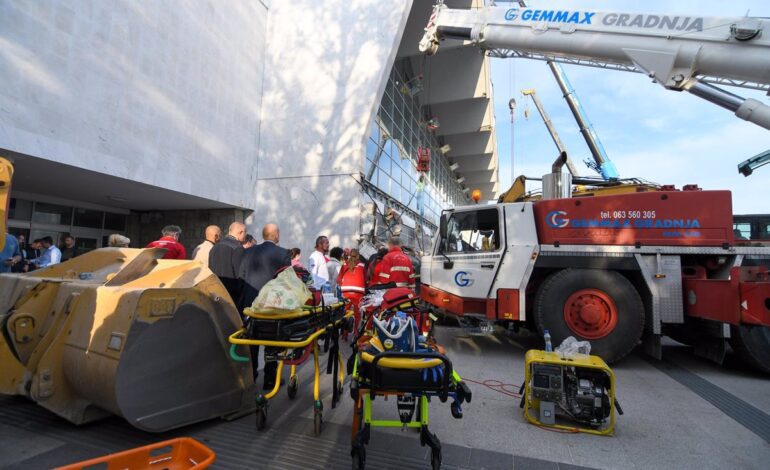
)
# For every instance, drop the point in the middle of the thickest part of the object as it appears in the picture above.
(551, 129)
(679, 52)
(602, 163)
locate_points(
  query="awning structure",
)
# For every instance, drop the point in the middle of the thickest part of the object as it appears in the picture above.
(39, 176)
(458, 93)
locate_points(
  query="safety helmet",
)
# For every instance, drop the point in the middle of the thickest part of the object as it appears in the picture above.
(397, 333)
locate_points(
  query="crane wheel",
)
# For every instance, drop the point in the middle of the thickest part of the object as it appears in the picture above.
(752, 344)
(594, 305)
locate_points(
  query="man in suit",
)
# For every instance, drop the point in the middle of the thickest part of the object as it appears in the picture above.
(259, 265)
(225, 257)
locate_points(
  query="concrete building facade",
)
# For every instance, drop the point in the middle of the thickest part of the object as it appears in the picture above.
(124, 117)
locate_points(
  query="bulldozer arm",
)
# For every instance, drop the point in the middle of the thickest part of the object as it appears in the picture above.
(516, 192)
(6, 175)
(122, 331)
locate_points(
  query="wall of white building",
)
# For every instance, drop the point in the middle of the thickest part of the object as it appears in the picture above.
(327, 64)
(166, 93)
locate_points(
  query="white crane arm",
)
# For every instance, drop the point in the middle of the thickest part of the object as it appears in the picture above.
(675, 50)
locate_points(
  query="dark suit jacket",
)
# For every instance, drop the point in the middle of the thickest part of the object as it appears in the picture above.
(260, 262)
(225, 261)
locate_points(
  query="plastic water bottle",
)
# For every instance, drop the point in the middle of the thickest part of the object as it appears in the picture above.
(547, 338)
(328, 294)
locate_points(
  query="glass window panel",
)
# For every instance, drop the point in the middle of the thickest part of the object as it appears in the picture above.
(86, 244)
(20, 209)
(384, 163)
(19, 231)
(375, 131)
(37, 233)
(764, 231)
(387, 106)
(52, 214)
(114, 222)
(395, 152)
(88, 218)
(395, 191)
(371, 149)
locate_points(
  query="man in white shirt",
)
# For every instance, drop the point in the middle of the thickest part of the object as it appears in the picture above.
(317, 264)
(51, 254)
(201, 252)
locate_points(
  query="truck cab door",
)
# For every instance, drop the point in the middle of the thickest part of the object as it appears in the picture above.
(466, 260)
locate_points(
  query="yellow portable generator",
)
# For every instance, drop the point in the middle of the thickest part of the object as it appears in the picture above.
(573, 394)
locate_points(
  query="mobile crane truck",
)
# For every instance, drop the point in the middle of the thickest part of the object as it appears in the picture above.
(615, 270)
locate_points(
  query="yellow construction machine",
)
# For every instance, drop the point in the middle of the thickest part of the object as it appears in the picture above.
(582, 187)
(121, 331)
(6, 175)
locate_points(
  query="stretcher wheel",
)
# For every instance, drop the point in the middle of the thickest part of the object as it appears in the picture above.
(318, 423)
(457, 411)
(318, 417)
(359, 458)
(435, 459)
(293, 387)
(261, 418)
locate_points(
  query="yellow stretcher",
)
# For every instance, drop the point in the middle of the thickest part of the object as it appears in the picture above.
(295, 352)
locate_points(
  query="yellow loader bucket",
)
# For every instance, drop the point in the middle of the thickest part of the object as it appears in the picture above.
(121, 331)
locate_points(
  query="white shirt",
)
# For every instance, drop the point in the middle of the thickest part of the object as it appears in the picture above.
(317, 266)
(49, 257)
(201, 252)
(333, 266)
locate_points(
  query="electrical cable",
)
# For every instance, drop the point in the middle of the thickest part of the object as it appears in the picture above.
(497, 386)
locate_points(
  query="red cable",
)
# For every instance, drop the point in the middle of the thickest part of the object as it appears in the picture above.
(498, 386)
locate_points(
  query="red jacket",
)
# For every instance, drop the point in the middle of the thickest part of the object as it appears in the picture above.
(352, 280)
(174, 249)
(397, 267)
(376, 269)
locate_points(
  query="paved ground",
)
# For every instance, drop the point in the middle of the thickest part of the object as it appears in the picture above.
(680, 413)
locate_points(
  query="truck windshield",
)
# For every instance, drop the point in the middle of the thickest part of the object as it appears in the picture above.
(472, 231)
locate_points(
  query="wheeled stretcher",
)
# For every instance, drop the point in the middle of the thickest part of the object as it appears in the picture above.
(291, 338)
(413, 378)
(400, 359)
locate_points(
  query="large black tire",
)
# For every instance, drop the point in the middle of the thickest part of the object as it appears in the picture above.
(752, 344)
(629, 310)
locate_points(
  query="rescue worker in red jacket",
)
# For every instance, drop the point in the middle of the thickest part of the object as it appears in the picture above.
(375, 267)
(352, 282)
(396, 266)
(170, 241)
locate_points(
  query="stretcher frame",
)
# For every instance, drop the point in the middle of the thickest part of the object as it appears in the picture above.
(334, 329)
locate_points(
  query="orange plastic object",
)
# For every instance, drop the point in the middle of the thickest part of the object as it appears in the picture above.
(174, 454)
